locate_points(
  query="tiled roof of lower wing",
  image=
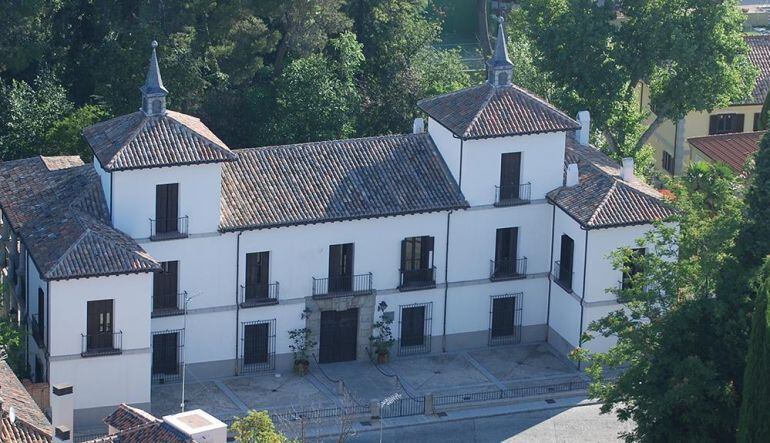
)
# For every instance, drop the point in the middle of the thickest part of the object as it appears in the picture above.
(602, 199)
(486, 111)
(153, 432)
(125, 417)
(57, 207)
(31, 425)
(730, 149)
(137, 141)
(336, 180)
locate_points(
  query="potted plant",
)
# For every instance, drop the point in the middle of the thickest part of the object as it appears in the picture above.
(382, 337)
(301, 343)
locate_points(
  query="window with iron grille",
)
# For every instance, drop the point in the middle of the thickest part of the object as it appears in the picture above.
(414, 328)
(258, 346)
(167, 355)
(668, 162)
(505, 318)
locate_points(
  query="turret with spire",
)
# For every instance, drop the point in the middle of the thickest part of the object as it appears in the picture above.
(500, 67)
(153, 91)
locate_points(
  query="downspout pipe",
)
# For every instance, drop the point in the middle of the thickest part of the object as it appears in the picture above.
(583, 295)
(550, 280)
(446, 253)
(237, 305)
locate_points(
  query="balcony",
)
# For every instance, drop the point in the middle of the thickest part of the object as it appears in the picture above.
(165, 305)
(563, 276)
(416, 279)
(513, 195)
(168, 229)
(258, 295)
(341, 286)
(507, 269)
(37, 331)
(101, 343)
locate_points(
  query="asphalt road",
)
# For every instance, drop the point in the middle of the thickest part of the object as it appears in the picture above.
(577, 424)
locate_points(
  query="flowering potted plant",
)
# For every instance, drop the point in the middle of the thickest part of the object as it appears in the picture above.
(383, 340)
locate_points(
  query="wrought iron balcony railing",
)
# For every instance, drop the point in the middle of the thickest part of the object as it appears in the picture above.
(258, 294)
(164, 305)
(512, 195)
(168, 228)
(343, 285)
(508, 269)
(38, 331)
(417, 279)
(101, 343)
(563, 276)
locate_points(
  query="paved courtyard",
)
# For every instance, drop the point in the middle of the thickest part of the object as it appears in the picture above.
(451, 373)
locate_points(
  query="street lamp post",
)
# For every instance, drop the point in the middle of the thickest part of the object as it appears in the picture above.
(187, 299)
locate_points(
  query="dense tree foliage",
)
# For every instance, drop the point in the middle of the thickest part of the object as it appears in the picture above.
(256, 427)
(754, 424)
(257, 72)
(689, 53)
(680, 341)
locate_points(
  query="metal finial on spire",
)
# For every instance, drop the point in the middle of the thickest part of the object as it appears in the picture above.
(500, 67)
(153, 91)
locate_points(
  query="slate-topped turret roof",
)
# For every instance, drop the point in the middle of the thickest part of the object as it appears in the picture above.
(336, 180)
(57, 207)
(602, 199)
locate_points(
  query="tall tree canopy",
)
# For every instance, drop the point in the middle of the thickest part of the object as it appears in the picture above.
(689, 53)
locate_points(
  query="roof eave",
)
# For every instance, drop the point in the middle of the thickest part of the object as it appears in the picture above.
(171, 165)
(46, 277)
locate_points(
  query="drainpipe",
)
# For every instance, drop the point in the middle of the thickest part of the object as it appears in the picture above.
(237, 306)
(550, 280)
(583, 295)
(48, 331)
(446, 283)
(112, 209)
(460, 178)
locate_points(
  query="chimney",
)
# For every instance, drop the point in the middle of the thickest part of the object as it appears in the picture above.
(199, 426)
(627, 171)
(418, 127)
(573, 178)
(584, 118)
(62, 412)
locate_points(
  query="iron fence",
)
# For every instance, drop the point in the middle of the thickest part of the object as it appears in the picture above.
(403, 407)
(508, 269)
(502, 394)
(168, 228)
(164, 305)
(317, 414)
(343, 285)
(563, 276)
(512, 195)
(260, 294)
(415, 338)
(38, 333)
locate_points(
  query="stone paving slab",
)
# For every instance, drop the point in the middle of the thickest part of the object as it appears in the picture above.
(436, 372)
(522, 362)
(270, 392)
(198, 394)
(363, 380)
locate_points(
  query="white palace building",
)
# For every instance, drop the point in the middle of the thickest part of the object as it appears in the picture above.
(492, 226)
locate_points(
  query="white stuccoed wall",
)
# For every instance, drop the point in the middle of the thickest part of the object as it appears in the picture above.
(108, 380)
(105, 179)
(133, 197)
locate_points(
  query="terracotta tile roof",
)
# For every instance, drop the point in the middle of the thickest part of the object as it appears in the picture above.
(602, 199)
(125, 417)
(336, 180)
(759, 55)
(730, 149)
(31, 425)
(153, 432)
(57, 207)
(137, 141)
(486, 111)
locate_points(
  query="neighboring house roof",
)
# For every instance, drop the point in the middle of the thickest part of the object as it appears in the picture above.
(336, 180)
(125, 417)
(153, 432)
(759, 55)
(56, 206)
(487, 111)
(602, 199)
(730, 149)
(136, 141)
(30, 425)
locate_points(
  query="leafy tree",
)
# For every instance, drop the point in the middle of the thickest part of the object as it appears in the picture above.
(317, 95)
(677, 339)
(27, 112)
(256, 427)
(690, 54)
(26, 33)
(754, 424)
(65, 137)
(754, 243)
